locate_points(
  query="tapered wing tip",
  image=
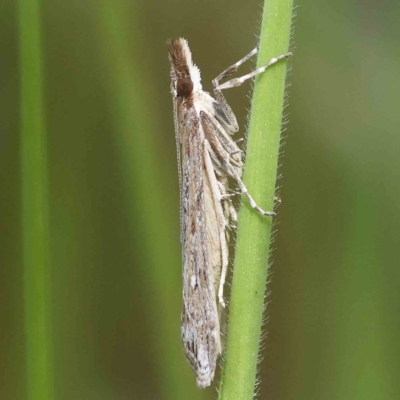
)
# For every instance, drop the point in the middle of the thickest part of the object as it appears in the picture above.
(203, 382)
(205, 376)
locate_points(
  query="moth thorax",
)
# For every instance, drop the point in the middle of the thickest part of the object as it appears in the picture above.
(184, 87)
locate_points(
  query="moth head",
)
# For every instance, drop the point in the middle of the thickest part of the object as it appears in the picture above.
(185, 76)
(184, 87)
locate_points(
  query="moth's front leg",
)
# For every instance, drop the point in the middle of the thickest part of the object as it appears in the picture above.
(224, 107)
(238, 81)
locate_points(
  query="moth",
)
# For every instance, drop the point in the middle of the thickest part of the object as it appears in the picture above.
(207, 157)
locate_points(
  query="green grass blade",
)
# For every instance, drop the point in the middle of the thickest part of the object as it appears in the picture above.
(35, 234)
(252, 251)
(151, 198)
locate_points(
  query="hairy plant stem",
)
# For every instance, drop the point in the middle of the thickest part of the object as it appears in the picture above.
(254, 230)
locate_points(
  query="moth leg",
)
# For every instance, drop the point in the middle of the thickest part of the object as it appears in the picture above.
(233, 68)
(212, 126)
(229, 210)
(238, 81)
(233, 172)
(226, 198)
(252, 202)
(220, 216)
(223, 106)
(243, 189)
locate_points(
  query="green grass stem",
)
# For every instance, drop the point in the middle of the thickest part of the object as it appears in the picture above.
(254, 230)
(34, 192)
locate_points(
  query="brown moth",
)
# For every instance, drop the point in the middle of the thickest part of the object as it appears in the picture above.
(207, 156)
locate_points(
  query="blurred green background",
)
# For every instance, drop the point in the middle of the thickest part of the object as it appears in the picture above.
(333, 314)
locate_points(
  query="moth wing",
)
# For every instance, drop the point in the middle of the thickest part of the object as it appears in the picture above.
(200, 320)
(178, 124)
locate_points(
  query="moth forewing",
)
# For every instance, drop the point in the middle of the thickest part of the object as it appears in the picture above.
(176, 105)
(200, 321)
(207, 157)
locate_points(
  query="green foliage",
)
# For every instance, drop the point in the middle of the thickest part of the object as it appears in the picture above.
(35, 207)
(254, 231)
